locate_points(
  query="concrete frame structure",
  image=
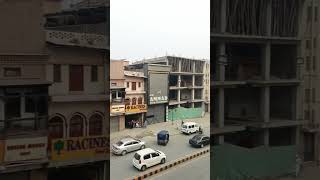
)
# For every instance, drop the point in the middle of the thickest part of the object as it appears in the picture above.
(190, 71)
(258, 93)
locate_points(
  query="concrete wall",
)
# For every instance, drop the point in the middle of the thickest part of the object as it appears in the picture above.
(52, 6)
(21, 27)
(117, 69)
(137, 80)
(28, 71)
(158, 113)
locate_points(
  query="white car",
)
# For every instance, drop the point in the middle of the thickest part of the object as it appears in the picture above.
(148, 157)
(189, 127)
(127, 145)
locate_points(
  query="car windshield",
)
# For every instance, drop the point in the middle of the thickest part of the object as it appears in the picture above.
(137, 156)
(119, 143)
(197, 138)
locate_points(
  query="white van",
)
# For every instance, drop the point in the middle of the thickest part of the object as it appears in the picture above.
(189, 127)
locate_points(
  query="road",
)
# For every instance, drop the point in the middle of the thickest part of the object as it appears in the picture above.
(178, 146)
(198, 168)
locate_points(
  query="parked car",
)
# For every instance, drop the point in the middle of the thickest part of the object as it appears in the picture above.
(163, 137)
(189, 127)
(199, 140)
(127, 145)
(148, 157)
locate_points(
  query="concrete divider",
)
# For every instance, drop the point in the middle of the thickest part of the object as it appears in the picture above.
(169, 165)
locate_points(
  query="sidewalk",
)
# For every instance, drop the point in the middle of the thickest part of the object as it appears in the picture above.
(153, 129)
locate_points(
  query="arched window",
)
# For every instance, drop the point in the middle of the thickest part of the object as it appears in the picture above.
(134, 101)
(95, 125)
(140, 100)
(56, 127)
(76, 126)
(127, 101)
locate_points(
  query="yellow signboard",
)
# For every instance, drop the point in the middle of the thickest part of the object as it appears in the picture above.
(136, 108)
(79, 148)
(117, 109)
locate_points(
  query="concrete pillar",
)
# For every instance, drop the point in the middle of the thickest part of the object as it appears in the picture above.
(223, 16)
(220, 111)
(179, 80)
(193, 80)
(192, 105)
(221, 59)
(192, 94)
(266, 136)
(269, 18)
(179, 65)
(220, 139)
(193, 66)
(266, 60)
(265, 104)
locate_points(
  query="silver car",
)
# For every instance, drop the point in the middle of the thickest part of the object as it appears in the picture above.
(127, 145)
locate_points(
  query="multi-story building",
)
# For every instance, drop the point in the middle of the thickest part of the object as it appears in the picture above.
(310, 72)
(256, 78)
(157, 90)
(23, 91)
(78, 106)
(206, 81)
(134, 84)
(186, 86)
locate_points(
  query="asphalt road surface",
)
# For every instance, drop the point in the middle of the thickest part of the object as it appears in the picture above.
(178, 146)
(198, 168)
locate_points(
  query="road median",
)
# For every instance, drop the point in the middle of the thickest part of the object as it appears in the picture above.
(169, 165)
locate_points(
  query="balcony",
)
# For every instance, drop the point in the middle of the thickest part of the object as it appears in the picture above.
(77, 39)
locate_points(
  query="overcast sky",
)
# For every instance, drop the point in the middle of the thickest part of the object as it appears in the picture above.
(150, 28)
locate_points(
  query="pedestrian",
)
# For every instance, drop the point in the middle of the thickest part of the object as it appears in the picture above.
(145, 123)
(132, 124)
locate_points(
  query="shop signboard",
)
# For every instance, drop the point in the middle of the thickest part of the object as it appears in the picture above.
(79, 148)
(139, 108)
(24, 149)
(158, 88)
(117, 109)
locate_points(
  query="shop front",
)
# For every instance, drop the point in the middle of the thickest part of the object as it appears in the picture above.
(135, 115)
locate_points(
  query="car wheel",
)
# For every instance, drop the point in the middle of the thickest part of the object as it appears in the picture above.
(163, 160)
(142, 147)
(143, 168)
(124, 153)
(201, 145)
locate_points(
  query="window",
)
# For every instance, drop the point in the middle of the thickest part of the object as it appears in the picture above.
(135, 142)
(147, 156)
(314, 63)
(314, 42)
(316, 13)
(12, 107)
(127, 102)
(76, 126)
(134, 101)
(308, 63)
(306, 114)
(312, 115)
(307, 95)
(76, 78)
(95, 125)
(113, 84)
(308, 44)
(94, 73)
(134, 86)
(139, 84)
(30, 104)
(56, 73)
(309, 14)
(140, 100)
(56, 128)
(155, 154)
(12, 72)
(128, 84)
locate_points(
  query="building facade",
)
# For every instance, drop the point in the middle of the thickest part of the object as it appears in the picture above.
(206, 81)
(23, 91)
(186, 86)
(157, 90)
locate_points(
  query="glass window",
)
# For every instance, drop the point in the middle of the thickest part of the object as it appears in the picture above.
(309, 14)
(76, 126)
(147, 156)
(308, 63)
(134, 101)
(137, 156)
(308, 44)
(128, 84)
(76, 78)
(95, 125)
(134, 86)
(56, 128)
(307, 95)
(155, 154)
(12, 72)
(127, 101)
(140, 100)
(139, 84)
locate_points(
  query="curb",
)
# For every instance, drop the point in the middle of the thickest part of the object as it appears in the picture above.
(170, 165)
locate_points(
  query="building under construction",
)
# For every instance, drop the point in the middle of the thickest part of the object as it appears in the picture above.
(257, 64)
(186, 86)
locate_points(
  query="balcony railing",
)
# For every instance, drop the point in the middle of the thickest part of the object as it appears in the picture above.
(77, 39)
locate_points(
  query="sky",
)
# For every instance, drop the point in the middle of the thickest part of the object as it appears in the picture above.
(151, 28)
